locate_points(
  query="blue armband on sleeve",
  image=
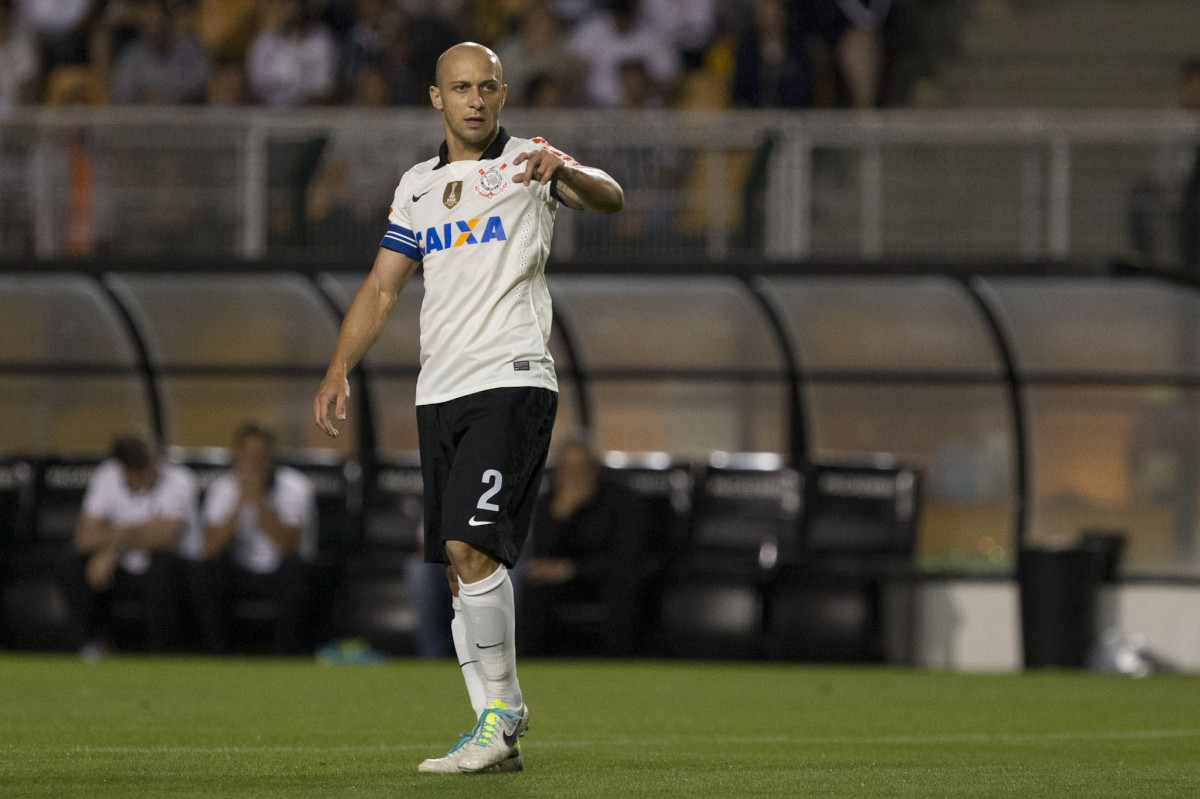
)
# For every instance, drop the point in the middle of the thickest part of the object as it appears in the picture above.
(403, 241)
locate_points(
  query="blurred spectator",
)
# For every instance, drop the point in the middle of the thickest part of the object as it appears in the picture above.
(377, 42)
(138, 515)
(688, 24)
(355, 175)
(545, 90)
(847, 49)
(260, 534)
(772, 68)
(70, 180)
(62, 28)
(337, 15)
(572, 12)
(433, 26)
(162, 65)
(1189, 206)
(372, 89)
(226, 27)
(18, 61)
(639, 91)
(535, 49)
(586, 538)
(620, 33)
(114, 26)
(293, 60)
(227, 85)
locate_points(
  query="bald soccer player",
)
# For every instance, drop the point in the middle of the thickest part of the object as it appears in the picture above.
(479, 217)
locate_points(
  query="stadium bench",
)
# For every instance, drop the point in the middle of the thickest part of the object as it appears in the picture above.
(745, 524)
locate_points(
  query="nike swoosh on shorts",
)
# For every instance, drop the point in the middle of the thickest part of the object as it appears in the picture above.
(476, 523)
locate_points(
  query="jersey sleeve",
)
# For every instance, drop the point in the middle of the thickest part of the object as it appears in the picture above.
(400, 236)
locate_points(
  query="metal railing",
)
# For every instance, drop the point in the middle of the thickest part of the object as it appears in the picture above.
(721, 186)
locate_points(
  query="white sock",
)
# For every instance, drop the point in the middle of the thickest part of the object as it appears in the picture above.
(490, 618)
(467, 660)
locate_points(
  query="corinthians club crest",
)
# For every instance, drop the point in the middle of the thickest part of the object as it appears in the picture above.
(491, 182)
(452, 194)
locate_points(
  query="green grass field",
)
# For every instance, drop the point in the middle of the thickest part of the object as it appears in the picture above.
(132, 727)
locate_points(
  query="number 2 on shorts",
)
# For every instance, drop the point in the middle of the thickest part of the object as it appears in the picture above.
(496, 479)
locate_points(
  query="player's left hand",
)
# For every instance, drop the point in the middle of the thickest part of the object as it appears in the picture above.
(540, 165)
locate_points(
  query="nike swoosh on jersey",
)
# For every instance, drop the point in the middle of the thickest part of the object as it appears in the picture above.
(422, 194)
(476, 523)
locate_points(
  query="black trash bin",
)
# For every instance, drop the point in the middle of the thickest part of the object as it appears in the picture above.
(1059, 590)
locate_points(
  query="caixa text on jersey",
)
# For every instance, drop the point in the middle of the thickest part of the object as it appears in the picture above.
(461, 233)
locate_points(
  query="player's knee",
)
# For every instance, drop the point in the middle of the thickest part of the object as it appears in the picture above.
(461, 554)
(468, 561)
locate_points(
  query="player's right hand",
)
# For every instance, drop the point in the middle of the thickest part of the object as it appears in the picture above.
(333, 392)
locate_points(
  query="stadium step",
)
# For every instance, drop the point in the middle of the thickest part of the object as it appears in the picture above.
(1070, 54)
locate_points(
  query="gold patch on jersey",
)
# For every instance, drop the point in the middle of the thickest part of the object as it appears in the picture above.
(452, 194)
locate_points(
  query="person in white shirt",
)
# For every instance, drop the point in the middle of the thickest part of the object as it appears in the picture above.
(19, 65)
(621, 32)
(138, 516)
(260, 534)
(293, 60)
(479, 218)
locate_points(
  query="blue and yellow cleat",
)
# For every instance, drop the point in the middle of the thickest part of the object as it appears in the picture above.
(494, 740)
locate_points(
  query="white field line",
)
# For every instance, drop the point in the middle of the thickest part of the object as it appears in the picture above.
(1018, 739)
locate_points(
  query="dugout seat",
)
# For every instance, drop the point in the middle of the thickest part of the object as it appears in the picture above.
(746, 514)
(375, 601)
(337, 489)
(745, 525)
(58, 498)
(862, 511)
(205, 463)
(665, 488)
(16, 497)
(37, 608)
(843, 598)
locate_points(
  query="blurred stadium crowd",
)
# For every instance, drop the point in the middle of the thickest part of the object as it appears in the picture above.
(556, 53)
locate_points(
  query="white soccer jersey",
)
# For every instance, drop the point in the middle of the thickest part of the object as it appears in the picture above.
(483, 240)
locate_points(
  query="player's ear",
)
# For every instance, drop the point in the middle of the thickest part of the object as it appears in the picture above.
(435, 97)
(503, 93)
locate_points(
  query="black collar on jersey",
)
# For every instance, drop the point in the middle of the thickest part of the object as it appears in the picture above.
(494, 150)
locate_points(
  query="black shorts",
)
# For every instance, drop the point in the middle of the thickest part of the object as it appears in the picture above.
(481, 459)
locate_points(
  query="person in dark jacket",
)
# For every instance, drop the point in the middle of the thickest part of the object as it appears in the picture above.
(586, 539)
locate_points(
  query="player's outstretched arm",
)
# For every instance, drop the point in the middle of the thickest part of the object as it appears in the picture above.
(582, 187)
(368, 313)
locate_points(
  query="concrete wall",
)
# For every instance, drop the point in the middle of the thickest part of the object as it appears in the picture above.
(975, 625)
